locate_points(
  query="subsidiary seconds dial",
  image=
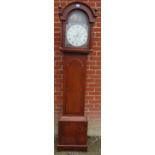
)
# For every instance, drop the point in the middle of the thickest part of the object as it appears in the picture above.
(77, 35)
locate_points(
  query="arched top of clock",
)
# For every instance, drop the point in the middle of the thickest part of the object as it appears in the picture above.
(63, 14)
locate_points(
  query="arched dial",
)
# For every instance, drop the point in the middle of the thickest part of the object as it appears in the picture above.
(77, 35)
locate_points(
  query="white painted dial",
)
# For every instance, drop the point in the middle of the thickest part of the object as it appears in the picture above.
(77, 35)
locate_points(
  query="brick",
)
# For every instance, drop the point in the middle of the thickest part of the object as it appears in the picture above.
(92, 4)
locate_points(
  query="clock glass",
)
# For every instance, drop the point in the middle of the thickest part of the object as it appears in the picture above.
(77, 30)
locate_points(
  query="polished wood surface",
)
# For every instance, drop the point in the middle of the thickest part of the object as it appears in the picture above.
(72, 126)
(73, 50)
(72, 133)
(74, 84)
(72, 147)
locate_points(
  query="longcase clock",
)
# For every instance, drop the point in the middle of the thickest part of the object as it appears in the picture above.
(76, 43)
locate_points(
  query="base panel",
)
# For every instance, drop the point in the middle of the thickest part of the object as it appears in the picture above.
(72, 133)
(72, 147)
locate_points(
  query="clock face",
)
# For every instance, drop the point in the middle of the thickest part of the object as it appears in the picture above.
(77, 35)
(77, 30)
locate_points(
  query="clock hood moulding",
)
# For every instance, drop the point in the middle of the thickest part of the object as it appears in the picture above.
(63, 13)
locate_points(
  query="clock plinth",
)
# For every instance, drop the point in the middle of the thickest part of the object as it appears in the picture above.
(77, 20)
(72, 132)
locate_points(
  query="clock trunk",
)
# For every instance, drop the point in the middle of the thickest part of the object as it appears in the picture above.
(74, 84)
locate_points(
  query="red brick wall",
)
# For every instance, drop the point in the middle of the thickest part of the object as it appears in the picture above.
(93, 86)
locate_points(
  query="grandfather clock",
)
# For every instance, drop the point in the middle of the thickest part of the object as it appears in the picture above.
(76, 43)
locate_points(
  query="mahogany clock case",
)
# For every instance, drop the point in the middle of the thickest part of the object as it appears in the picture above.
(72, 126)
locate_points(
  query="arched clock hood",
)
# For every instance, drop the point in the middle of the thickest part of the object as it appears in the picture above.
(91, 13)
(64, 15)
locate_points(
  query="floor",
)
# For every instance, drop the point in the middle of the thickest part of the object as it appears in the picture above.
(94, 148)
